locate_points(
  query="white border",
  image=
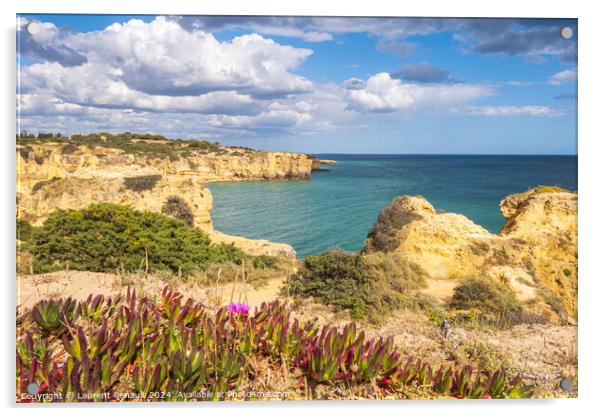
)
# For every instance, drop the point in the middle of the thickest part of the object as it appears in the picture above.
(590, 204)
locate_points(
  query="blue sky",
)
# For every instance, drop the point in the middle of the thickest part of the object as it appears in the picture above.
(321, 85)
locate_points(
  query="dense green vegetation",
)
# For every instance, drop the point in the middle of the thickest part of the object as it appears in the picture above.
(24, 230)
(369, 286)
(107, 238)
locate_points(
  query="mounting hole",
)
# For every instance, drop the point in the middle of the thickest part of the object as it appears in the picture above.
(33, 388)
(566, 32)
(566, 384)
(33, 28)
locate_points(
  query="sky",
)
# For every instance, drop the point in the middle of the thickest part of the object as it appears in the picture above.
(307, 84)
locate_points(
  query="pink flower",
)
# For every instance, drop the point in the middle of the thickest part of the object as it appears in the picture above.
(238, 308)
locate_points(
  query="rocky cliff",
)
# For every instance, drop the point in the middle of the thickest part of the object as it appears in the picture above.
(36, 162)
(536, 249)
(54, 176)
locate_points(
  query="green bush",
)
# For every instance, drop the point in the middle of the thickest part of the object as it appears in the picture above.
(369, 286)
(484, 294)
(141, 183)
(108, 237)
(265, 262)
(24, 231)
(178, 208)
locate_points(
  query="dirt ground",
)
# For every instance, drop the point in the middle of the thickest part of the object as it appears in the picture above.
(543, 354)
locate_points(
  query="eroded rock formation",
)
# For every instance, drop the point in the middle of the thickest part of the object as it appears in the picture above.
(537, 248)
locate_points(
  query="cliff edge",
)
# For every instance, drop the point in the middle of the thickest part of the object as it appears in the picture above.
(144, 175)
(535, 251)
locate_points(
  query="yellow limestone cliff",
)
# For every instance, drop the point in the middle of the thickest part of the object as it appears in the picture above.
(50, 177)
(537, 248)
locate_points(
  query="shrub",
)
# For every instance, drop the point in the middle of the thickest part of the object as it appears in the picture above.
(204, 145)
(399, 274)
(553, 300)
(141, 183)
(487, 356)
(265, 262)
(484, 294)
(24, 230)
(108, 237)
(335, 278)
(369, 286)
(176, 207)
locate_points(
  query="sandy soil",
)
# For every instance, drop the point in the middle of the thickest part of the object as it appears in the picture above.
(541, 353)
(442, 289)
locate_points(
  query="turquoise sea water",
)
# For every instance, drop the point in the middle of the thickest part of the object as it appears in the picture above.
(338, 208)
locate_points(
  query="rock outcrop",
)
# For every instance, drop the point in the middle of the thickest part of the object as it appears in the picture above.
(328, 162)
(536, 249)
(34, 205)
(316, 164)
(50, 178)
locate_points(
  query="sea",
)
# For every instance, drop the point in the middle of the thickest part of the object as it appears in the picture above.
(337, 208)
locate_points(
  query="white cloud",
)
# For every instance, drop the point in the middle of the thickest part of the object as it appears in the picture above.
(183, 82)
(511, 110)
(162, 58)
(563, 77)
(383, 94)
(139, 68)
(159, 66)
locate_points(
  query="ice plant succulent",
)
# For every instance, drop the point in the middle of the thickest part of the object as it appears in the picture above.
(100, 347)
